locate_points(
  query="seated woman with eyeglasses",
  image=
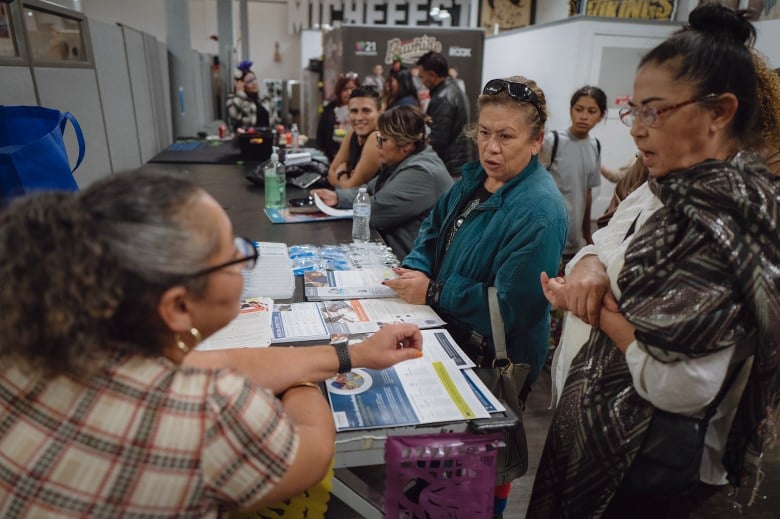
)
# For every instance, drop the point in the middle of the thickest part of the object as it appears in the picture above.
(410, 181)
(104, 410)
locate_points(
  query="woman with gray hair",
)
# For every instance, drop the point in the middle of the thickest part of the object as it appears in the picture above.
(412, 178)
(105, 294)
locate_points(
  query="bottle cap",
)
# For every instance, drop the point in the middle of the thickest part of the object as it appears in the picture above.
(362, 190)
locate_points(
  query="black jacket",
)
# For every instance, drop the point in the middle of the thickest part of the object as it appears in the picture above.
(449, 110)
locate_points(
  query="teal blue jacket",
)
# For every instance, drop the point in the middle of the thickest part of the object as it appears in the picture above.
(506, 242)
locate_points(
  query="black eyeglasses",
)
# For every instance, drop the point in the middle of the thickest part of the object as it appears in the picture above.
(648, 116)
(249, 254)
(517, 91)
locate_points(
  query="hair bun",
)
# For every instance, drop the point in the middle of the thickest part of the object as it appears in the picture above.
(723, 22)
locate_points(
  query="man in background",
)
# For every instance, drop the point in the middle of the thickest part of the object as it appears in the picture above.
(449, 110)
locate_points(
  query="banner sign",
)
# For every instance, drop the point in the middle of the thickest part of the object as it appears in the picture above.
(314, 14)
(637, 9)
(359, 48)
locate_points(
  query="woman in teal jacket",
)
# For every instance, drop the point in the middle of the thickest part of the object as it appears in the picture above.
(502, 224)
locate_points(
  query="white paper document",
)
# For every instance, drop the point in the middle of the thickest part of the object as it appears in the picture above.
(330, 211)
(251, 328)
(298, 322)
(272, 276)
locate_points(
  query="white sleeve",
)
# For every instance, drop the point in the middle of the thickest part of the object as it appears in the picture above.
(685, 386)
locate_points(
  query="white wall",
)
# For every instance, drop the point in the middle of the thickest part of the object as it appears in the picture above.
(566, 55)
(551, 10)
(768, 41)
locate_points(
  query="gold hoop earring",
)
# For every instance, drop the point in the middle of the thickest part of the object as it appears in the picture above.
(182, 345)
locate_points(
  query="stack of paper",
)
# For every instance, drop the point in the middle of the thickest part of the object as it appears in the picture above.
(251, 328)
(438, 387)
(329, 285)
(369, 315)
(272, 276)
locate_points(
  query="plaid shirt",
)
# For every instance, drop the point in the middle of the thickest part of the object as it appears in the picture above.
(143, 439)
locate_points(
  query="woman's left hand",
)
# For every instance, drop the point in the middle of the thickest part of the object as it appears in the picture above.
(411, 285)
(554, 290)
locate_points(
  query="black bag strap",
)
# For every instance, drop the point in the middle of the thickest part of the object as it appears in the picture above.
(496, 324)
(555, 147)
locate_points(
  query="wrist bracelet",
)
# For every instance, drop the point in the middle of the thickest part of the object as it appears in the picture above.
(303, 384)
(342, 351)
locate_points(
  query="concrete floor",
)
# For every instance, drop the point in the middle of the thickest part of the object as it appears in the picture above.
(537, 419)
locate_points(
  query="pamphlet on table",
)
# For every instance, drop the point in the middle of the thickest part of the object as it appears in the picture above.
(431, 389)
(366, 283)
(251, 328)
(369, 315)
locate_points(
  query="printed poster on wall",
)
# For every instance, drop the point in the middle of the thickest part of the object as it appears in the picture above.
(635, 9)
(357, 48)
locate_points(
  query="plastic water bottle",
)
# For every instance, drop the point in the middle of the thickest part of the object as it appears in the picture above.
(295, 136)
(275, 182)
(361, 215)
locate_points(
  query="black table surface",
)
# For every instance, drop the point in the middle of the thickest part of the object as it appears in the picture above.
(244, 203)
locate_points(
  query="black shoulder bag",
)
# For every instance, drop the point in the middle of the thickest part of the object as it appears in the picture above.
(669, 460)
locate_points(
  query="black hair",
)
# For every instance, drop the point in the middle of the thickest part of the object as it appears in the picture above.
(406, 85)
(435, 62)
(593, 92)
(713, 51)
(367, 91)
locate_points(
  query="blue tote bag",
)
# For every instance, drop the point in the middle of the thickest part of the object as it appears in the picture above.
(32, 151)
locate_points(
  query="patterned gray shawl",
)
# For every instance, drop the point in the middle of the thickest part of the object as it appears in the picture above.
(701, 275)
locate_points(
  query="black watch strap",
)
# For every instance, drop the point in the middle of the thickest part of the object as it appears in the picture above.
(342, 351)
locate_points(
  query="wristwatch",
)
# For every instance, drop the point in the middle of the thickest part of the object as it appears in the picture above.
(345, 362)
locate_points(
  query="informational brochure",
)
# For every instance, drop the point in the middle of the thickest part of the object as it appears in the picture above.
(410, 393)
(326, 285)
(431, 389)
(298, 322)
(349, 317)
(272, 276)
(251, 328)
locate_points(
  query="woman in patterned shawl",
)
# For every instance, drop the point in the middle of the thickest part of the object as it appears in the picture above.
(681, 290)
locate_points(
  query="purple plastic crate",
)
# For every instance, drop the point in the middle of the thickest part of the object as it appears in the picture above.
(441, 475)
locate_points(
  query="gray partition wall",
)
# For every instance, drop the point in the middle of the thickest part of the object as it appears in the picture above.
(116, 97)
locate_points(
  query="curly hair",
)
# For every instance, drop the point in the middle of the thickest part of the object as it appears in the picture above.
(535, 116)
(82, 274)
(768, 91)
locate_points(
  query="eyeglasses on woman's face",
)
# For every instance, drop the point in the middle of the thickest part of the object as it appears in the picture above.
(517, 91)
(380, 140)
(246, 251)
(649, 116)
